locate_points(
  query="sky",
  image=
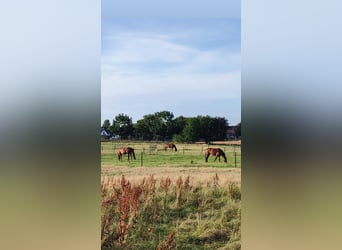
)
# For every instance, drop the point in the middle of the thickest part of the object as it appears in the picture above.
(186, 66)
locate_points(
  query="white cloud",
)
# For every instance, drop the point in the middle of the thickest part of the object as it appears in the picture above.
(152, 70)
(142, 48)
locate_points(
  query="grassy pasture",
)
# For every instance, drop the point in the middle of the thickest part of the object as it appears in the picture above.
(174, 201)
(169, 215)
(154, 155)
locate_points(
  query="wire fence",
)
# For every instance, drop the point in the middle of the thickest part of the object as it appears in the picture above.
(144, 149)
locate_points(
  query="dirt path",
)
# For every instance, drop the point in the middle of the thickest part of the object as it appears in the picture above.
(198, 175)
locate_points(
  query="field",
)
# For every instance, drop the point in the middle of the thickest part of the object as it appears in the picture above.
(170, 200)
(153, 155)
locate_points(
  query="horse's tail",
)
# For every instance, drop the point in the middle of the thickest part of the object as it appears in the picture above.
(133, 154)
(175, 147)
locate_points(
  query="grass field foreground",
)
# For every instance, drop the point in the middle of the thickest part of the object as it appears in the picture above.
(170, 200)
(169, 214)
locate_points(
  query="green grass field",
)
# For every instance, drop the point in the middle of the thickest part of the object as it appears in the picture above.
(170, 215)
(170, 200)
(153, 155)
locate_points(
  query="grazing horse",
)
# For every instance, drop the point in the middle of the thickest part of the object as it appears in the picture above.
(215, 152)
(126, 150)
(170, 145)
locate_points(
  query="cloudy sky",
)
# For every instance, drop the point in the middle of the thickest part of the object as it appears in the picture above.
(187, 66)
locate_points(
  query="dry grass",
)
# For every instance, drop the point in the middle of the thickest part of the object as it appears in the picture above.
(198, 176)
(169, 215)
(176, 201)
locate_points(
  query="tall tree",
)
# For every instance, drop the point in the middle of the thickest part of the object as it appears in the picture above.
(106, 124)
(123, 126)
(165, 121)
(192, 130)
(205, 128)
(144, 128)
(178, 124)
(157, 126)
(238, 130)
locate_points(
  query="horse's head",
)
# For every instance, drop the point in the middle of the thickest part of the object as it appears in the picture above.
(224, 156)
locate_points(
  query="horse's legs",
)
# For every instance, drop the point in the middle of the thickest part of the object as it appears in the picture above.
(218, 155)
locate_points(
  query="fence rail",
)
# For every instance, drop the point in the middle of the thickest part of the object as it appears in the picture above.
(143, 150)
(192, 148)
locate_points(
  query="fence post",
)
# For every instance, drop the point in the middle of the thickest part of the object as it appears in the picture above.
(141, 158)
(235, 158)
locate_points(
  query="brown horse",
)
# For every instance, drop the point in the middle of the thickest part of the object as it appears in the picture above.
(126, 150)
(170, 145)
(215, 152)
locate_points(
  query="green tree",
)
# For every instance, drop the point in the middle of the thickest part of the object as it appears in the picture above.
(205, 128)
(177, 126)
(165, 124)
(219, 128)
(122, 126)
(157, 126)
(145, 128)
(106, 124)
(192, 130)
(238, 130)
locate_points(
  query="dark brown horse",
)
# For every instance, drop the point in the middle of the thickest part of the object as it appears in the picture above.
(126, 150)
(170, 145)
(215, 152)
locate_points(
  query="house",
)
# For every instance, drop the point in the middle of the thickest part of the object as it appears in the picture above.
(115, 137)
(105, 133)
(232, 132)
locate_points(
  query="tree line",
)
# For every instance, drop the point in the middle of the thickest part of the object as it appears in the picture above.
(164, 126)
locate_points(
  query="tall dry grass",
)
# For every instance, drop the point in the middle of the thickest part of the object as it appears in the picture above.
(167, 214)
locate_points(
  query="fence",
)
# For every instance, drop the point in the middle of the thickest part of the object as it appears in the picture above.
(146, 149)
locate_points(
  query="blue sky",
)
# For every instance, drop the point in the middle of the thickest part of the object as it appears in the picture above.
(187, 66)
